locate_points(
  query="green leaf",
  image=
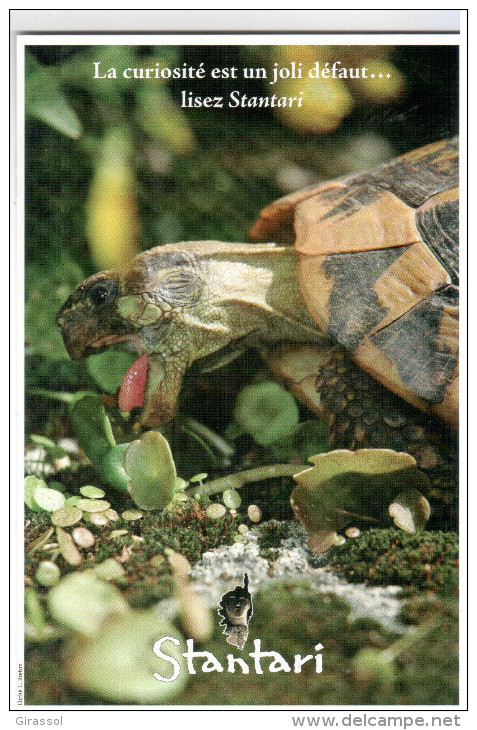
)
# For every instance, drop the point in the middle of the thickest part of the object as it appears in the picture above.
(348, 486)
(118, 664)
(55, 451)
(108, 368)
(34, 613)
(92, 492)
(48, 573)
(31, 483)
(48, 499)
(266, 411)
(67, 604)
(67, 515)
(92, 427)
(45, 101)
(308, 438)
(111, 468)
(149, 463)
(109, 570)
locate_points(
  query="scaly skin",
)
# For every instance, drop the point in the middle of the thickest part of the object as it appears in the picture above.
(210, 301)
(186, 302)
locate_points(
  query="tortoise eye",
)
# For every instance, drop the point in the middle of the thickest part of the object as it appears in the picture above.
(103, 293)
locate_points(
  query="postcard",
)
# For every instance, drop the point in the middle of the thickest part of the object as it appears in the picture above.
(239, 253)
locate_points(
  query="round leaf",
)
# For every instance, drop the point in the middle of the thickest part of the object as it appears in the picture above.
(266, 411)
(31, 483)
(119, 664)
(345, 486)
(111, 468)
(149, 463)
(67, 604)
(92, 492)
(66, 516)
(48, 499)
(93, 505)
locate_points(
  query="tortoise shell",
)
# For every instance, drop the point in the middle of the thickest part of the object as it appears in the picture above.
(378, 269)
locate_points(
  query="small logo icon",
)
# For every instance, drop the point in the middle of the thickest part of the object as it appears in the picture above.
(235, 609)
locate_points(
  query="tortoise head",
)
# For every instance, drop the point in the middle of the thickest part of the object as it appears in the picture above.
(175, 304)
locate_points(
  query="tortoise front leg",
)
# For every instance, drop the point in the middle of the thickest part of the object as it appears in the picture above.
(361, 413)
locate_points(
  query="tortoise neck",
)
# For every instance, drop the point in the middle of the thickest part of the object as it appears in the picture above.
(258, 286)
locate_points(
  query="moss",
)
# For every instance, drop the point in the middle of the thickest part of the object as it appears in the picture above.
(184, 528)
(424, 560)
(427, 607)
(271, 535)
(292, 617)
(272, 496)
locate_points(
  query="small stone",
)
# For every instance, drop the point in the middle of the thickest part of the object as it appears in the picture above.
(83, 537)
(254, 513)
(117, 533)
(352, 532)
(111, 514)
(243, 529)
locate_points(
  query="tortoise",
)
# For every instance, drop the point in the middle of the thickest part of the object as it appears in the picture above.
(359, 317)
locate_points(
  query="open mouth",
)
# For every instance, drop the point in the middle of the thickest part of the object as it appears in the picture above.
(141, 378)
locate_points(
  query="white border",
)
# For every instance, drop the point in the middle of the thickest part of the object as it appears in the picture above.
(279, 714)
(249, 20)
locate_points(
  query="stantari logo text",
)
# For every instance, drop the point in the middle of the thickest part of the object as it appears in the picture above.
(276, 662)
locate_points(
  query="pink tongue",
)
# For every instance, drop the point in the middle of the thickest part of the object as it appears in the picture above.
(131, 392)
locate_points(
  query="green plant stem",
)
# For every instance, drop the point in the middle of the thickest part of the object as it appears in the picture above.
(235, 481)
(61, 396)
(208, 436)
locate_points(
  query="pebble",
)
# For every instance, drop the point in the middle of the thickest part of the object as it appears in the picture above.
(254, 513)
(83, 537)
